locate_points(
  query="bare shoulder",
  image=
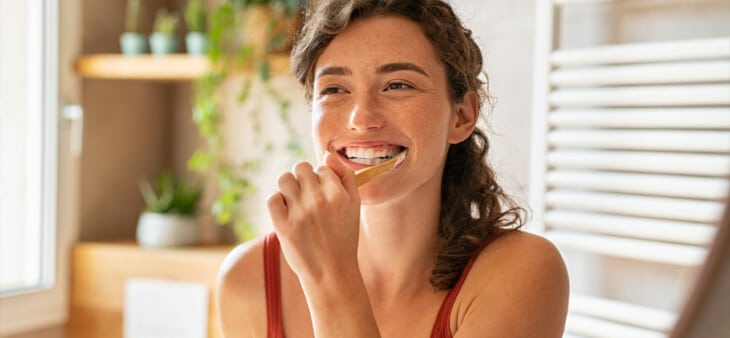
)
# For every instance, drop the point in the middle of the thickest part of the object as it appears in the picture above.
(241, 297)
(518, 287)
(515, 250)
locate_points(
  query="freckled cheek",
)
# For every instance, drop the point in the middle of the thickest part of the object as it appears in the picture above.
(426, 123)
(323, 127)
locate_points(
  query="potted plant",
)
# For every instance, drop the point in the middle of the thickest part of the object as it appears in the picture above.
(196, 40)
(132, 42)
(163, 41)
(169, 216)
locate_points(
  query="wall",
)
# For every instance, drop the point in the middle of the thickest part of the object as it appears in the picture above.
(128, 127)
(504, 31)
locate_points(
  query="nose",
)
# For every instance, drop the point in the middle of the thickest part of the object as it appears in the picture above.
(365, 115)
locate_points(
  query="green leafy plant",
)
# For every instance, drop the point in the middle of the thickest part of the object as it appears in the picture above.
(195, 16)
(170, 195)
(133, 17)
(227, 54)
(166, 22)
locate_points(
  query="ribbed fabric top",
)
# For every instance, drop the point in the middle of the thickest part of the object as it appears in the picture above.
(275, 329)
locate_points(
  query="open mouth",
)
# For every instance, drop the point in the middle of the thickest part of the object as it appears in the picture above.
(371, 155)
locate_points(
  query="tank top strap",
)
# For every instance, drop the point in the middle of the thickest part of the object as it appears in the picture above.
(442, 325)
(272, 282)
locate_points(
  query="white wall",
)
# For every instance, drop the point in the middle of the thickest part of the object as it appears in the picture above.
(504, 30)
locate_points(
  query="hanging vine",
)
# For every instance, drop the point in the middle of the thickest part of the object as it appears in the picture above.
(227, 55)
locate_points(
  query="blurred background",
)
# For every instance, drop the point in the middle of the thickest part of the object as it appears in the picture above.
(130, 166)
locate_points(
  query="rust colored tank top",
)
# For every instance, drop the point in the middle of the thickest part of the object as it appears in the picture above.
(441, 327)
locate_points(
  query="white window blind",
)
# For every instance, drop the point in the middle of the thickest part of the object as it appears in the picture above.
(631, 170)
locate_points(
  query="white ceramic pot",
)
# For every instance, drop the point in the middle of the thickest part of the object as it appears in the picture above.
(163, 44)
(196, 43)
(165, 230)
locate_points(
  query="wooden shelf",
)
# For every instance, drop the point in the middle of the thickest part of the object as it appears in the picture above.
(174, 67)
(99, 272)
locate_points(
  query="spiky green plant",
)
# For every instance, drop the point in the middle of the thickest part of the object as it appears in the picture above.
(166, 22)
(170, 195)
(133, 18)
(195, 16)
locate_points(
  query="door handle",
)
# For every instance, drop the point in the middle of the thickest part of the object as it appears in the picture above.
(74, 114)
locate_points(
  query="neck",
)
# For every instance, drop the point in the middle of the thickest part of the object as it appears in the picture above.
(399, 243)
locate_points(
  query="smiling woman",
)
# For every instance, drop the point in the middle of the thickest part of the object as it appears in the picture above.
(431, 247)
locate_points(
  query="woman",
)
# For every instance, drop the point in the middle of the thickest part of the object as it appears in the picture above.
(431, 247)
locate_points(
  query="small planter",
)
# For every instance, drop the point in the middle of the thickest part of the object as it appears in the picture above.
(155, 230)
(133, 43)
(163, 44)
(196, 43)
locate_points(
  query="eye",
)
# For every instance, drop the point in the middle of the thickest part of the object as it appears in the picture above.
(398, 85)
(331, 90)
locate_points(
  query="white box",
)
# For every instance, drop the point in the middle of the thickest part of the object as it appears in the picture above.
(157, 308)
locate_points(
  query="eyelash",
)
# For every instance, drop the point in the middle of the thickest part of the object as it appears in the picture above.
(331, 90)
(400, 85)
(390, 86)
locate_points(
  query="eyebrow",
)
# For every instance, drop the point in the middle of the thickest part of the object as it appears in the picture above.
(394, 67)
(333, 71)
(386, 68)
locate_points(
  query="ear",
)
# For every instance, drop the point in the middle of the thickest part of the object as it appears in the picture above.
(464, 119)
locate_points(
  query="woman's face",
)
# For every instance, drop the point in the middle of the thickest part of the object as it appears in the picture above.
(379, 88)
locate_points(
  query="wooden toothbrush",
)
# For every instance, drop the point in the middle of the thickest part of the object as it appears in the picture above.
(365, 175)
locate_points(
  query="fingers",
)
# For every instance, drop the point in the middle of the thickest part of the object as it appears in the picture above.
(278, 210)
(345, 173)
(306, 187)
(306, 176)
(334, 163)
(289, 187)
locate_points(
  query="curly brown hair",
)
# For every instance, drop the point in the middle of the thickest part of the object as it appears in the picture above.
(473, 204)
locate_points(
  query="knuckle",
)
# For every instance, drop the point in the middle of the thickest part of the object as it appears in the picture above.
(302, 166)
(325, 172)
(285, 178)
(273, 199)
(322, 169)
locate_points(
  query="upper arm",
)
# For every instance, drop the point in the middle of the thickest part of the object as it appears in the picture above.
(240, 296)
(517, 288)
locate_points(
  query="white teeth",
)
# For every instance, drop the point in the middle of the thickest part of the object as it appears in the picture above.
(371, 156)
(368, 161)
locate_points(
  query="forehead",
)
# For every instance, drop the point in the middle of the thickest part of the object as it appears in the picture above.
(377, 40)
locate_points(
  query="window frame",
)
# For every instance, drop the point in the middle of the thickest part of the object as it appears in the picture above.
(46, 304)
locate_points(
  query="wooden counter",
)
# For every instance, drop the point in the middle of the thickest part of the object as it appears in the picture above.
(99, 271)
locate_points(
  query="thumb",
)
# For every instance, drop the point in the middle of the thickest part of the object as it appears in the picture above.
(345, 173)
